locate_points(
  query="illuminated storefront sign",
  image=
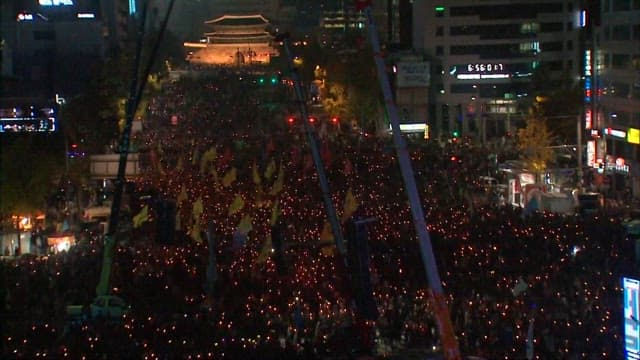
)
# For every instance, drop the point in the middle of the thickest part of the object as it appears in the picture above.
(591, 153)
(615, 133)
(633, 136)
(616, 164)
(25, 17)
(588, 119)
(412, 127)
(620, 168)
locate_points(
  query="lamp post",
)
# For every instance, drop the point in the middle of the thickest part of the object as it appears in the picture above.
(579, 151)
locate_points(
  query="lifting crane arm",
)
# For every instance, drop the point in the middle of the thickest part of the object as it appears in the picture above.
(447, 334)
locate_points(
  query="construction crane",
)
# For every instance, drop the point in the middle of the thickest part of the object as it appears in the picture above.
(138, 83)
(447, 335)
(311, 136)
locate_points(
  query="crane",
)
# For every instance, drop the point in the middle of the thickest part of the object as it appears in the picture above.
(138, 83)
(443, 319)
(324, 183)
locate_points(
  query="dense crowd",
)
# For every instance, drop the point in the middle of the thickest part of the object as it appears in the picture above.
(234, 168)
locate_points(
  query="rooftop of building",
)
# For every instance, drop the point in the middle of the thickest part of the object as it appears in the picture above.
(238, 20)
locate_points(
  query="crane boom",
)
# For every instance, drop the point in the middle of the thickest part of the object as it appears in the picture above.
(324, 184)
(447, 334)
(138, 83)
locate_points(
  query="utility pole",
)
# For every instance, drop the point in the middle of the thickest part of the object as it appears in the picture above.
(579, 150)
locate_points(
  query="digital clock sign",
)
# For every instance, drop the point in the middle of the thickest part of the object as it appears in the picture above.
(475, 71)
(483, 68)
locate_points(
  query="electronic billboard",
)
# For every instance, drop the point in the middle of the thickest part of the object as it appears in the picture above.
(21, 119)
(631, 289)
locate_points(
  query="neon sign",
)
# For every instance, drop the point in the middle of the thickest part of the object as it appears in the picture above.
(587, 76)
(615, 133)
(591, 153)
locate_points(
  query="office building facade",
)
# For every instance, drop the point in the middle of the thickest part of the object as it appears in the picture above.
(483, 56)
(614, 147)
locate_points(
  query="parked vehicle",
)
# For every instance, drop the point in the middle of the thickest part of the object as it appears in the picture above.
(104, 306)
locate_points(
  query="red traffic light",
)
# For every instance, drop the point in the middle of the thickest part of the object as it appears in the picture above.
(291, 119)
(335, 119)
(312, 119)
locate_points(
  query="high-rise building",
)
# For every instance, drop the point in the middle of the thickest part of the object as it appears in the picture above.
(49, 47)
(616, 97)
(483, 56)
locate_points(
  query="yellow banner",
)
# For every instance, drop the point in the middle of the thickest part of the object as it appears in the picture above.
(350, 206)
(279, 183)
(245, 224)
(198, 208)
(141, 217)
(256, 174)
(236, 205)
(270, 170)
(229, 177)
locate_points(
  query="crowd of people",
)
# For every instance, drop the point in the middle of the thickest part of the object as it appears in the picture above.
(539, 285)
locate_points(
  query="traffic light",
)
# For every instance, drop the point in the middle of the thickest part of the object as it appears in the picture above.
(455, 135)
(335, 120)
(312, 119)
(291, 120)
(274, 80)
(260, 80)
(456, 159)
